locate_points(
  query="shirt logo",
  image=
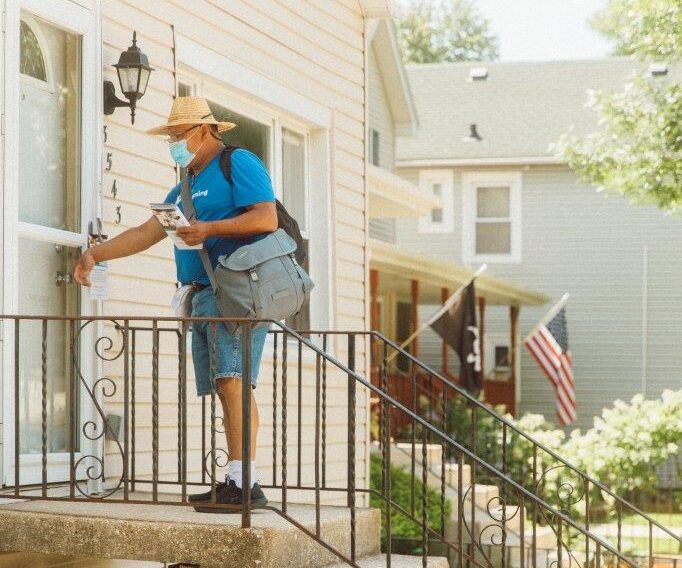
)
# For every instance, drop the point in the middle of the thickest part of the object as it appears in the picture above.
(202, 193)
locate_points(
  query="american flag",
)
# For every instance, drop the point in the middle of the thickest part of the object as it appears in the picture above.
(548, 345)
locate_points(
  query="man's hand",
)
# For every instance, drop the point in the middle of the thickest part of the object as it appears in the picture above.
(195, 234)
(83, 268)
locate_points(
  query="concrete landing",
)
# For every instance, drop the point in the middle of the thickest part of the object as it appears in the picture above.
(174, 533)
(397, 561)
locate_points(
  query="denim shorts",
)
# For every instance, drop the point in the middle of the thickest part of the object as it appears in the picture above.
(228, 347)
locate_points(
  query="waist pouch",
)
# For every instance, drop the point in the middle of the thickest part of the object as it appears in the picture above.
(260, 280)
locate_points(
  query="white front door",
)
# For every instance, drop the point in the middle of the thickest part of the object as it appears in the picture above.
(49, 196)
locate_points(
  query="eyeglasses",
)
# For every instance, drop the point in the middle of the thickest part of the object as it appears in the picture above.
(172, 138)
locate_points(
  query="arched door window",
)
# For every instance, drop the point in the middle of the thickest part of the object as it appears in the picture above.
(32, 61)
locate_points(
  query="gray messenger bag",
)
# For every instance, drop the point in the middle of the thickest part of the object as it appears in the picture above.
(260, 280)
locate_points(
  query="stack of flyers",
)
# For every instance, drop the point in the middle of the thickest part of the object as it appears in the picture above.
(170, 217)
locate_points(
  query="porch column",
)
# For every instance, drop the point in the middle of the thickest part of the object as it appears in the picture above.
(373, 298)
(375, 357)
(414, 289)
(481, 333)
(444, 295)
(514, 320)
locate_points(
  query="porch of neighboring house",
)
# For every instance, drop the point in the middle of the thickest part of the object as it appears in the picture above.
(401, 283)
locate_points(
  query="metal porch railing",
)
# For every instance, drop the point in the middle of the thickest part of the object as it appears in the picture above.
(306, 372)
(581, 497)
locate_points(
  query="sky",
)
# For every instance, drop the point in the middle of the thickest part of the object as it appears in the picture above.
(532, 30)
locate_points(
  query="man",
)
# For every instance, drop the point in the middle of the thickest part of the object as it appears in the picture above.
(228, 216)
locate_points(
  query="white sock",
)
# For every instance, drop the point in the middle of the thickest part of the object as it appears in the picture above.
(235, 472)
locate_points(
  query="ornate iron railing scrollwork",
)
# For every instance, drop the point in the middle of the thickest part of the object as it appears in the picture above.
(91, 428)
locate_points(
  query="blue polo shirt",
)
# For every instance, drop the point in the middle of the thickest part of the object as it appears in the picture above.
(215, 199)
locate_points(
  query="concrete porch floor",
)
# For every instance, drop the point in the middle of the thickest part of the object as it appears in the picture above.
(174, 533)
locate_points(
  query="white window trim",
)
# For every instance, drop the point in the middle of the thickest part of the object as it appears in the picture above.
(446, 179)
(250, 93)
(470, 182)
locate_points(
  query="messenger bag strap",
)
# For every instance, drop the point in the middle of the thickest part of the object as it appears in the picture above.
(191, 213)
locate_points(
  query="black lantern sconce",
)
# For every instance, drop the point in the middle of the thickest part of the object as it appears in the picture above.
(133, 75)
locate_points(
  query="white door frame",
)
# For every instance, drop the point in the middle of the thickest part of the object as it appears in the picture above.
(85, 21)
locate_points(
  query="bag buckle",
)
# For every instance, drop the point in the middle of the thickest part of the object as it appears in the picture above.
(254, 275)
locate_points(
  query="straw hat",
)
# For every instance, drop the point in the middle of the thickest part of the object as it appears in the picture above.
(191, 110)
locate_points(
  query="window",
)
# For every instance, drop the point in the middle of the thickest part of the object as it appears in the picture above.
(294, 186)
(502, 362)
(498, 364)
(249, 134)
(31, 60)
(439, 184)
(492, 216)
(295, 199)
(374, 147)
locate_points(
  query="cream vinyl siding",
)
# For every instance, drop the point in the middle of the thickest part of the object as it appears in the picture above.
(314, 48)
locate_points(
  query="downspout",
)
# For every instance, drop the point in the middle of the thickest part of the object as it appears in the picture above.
(645, 315)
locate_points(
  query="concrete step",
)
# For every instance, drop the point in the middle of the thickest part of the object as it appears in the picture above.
(401, 454)
(484, 495)
(397, 561)
(176, 533)
(452, 474)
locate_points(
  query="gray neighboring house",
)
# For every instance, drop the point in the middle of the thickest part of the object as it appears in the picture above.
(483, 148)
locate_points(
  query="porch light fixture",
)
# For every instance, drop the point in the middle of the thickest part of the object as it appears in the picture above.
(133, 75)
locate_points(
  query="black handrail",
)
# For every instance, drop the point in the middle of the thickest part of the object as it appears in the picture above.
(125, 328)
(622, 503)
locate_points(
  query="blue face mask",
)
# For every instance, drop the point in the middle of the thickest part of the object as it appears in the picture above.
(181, 154)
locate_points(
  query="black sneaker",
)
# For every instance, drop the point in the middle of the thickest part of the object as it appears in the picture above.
(230, 499)
(201, 497)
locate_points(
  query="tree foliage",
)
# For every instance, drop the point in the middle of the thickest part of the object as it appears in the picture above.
(637, 148)
(449, 30)
(644, 28)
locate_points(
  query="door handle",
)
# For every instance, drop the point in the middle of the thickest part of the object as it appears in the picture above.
(61, 278)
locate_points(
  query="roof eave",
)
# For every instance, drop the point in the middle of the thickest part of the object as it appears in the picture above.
(440, 273)
(378, 8)
(400, 99)
(482, 161)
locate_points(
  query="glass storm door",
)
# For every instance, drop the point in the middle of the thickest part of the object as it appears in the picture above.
(48, 213)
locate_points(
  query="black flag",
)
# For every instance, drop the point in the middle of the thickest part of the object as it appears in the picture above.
(459, 328)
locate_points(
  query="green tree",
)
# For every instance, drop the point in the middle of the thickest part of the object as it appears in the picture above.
(637, 149)
(449, 30)
(643, 28)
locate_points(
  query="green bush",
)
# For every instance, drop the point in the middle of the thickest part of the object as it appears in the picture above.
(401, 491)
(621, 450)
